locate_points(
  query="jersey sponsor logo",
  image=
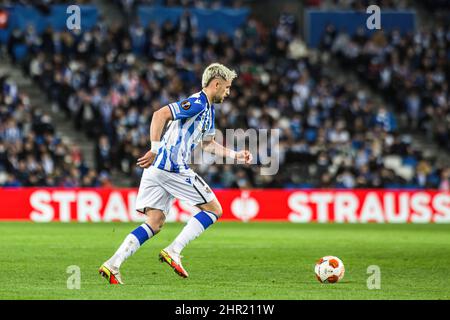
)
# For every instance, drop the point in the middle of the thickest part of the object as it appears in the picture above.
(207, 189)
(204, 185)
(186, 104)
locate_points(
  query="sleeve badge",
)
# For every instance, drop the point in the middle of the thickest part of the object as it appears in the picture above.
(186, 104)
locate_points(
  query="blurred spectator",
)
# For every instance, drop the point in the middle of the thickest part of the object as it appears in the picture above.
(31, 153)
(445, 180)
(361, 5)
(410, 70)
(111, 80)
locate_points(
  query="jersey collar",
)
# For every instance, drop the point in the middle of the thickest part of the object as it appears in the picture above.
(206, 97)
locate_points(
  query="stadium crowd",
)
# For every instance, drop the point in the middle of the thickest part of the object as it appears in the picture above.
(110, 80)
(129, 7)
(359, 5)
(43, 5)
(412, 71)
(31, 152)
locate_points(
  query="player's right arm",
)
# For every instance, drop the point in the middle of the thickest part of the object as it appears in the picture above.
(159, 121)
(178, 110)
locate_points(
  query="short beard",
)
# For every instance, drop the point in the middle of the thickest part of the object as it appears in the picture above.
(217, 99)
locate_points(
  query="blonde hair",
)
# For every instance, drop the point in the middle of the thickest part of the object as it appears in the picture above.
(217, 70)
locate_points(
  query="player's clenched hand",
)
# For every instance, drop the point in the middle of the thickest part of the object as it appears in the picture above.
(245, 156)
(146, 160)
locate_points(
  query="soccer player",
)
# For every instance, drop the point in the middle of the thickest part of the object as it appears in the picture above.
(167, 175)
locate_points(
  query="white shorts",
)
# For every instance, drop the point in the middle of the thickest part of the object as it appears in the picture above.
(158, 189)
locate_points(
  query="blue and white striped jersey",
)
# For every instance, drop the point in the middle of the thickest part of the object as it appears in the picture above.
(193, 121)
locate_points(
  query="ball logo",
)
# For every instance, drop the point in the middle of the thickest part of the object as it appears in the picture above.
(244, 207)
(186, 104)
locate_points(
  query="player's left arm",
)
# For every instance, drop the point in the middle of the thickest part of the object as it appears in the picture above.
(211, 146)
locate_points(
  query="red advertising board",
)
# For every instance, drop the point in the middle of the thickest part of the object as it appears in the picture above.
(302, 206)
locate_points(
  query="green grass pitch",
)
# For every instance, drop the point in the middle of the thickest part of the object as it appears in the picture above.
(229, 261)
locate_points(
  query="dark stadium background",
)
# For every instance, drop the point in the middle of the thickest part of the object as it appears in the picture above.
(75, 108)
(364, 122)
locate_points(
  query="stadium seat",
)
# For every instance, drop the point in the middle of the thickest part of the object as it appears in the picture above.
(20, 51)
(409, 161)
(393, 162)
(406, 172)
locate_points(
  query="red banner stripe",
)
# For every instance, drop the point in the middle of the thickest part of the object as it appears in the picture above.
(339, 206)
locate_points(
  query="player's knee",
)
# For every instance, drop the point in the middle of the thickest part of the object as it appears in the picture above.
(214, 206)
(155, 225)
(217, 210)
(155, 219)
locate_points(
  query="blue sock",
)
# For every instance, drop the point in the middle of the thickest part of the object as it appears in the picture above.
(206, 218)
(143, 233)
(131, 244)
(195, 226)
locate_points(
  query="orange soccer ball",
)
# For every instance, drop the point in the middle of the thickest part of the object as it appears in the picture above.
(329, 269)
